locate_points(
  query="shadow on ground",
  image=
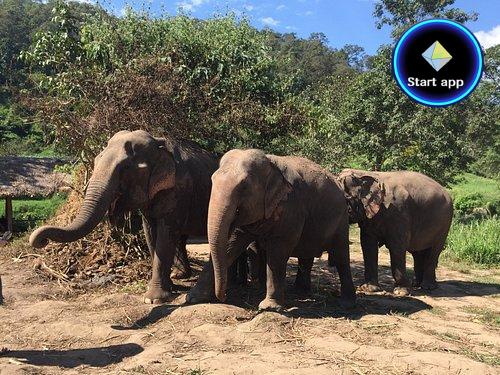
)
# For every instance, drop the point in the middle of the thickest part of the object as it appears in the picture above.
(95, 357)
(460, 288)
(323, 301)
(156, 313)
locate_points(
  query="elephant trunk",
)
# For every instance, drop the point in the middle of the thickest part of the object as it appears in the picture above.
(221, 212)
(100, 193)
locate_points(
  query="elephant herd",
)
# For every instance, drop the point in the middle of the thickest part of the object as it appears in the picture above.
(280, 206)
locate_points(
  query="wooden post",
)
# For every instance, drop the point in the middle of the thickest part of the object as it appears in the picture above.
(8, 213)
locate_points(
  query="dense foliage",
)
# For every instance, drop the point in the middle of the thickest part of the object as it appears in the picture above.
(225, 84)
(213, 81)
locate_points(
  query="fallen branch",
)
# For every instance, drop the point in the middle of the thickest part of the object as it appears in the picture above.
(40, 265)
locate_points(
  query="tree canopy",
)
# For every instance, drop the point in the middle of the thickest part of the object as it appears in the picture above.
(86, 73)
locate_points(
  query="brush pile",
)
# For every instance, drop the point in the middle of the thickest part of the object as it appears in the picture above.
(107, 254)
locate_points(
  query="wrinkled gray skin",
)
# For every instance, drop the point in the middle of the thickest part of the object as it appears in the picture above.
(290, 206)
(405, 211)
(169, 181)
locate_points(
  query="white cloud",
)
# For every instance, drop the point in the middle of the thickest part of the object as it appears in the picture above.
(291, 28)
(489, 38)
(281, 7)
(269, 21)
(309, 13)
(248, 7)
(190, 5)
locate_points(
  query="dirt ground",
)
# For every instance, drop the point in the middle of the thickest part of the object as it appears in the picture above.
(48, 327)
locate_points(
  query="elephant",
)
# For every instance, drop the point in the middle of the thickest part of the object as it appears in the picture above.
(405, 211)
(167, 180)
(289, 205)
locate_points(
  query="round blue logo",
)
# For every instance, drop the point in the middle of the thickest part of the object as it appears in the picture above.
(437, 62)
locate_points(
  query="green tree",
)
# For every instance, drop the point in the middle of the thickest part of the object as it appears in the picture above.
(213, 81)
(401, 14)
(20, 21)
(390, 131)
(308, 61)
(483, 117)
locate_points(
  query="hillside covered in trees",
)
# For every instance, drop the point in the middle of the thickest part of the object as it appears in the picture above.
(72, 74)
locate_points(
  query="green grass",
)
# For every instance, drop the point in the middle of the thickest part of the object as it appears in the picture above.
(474, 237)
(30, 212)
(486, 316)
(475, 192)
(471, 184)
(475, 242)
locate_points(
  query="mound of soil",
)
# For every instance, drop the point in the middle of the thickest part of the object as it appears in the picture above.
(108, 331)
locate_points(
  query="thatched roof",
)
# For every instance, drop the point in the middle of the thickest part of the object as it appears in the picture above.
(28, 177)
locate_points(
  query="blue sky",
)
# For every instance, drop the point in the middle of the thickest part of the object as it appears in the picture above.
(342, 21)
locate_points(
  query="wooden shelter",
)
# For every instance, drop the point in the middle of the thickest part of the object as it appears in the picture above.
(28, 177)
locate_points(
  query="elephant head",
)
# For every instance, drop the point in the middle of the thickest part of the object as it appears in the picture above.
(247, 188)
(364, 193)
(127, 174)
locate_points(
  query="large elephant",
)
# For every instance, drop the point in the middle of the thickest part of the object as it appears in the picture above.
(289, 205)
(405, 211)
(169, 181)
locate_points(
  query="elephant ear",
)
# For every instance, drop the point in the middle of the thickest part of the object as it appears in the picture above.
(371, 194)
(279, 184)
(163, 171)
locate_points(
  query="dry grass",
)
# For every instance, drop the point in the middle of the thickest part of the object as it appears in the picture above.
(106, 255)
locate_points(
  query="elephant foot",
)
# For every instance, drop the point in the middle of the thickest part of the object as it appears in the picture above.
(178, 273)
(239, 280)
(157, 296)
(370, 288)
(269, 304)
(200, 295)
(401, 291)
(301, 286)
(429, 285)
(416, 283)
(193, 298)
(347, 303)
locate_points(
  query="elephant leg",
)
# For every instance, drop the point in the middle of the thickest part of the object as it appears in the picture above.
(182, 268)
(159, 289)
(276, 260)
(238, 271)
(242, 268)
(369, 246)
(303, 278)
(418, 266)
(398, 267)
(253, 262)
(341, 259)
(261, 258)
(331, 262)
(149, 227)
(232, 272)
(430, 265)
(204, 289)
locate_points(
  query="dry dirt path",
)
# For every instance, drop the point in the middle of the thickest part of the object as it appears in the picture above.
(46, 329)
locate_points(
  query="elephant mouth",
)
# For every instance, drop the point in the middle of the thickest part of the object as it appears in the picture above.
(116, 213)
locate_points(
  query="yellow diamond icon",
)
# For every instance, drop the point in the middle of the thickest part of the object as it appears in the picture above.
(437, 56)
